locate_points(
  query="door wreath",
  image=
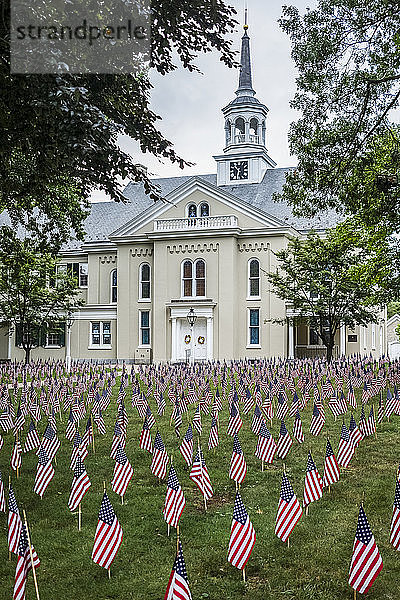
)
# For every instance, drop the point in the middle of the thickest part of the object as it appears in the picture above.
(187, 339)
(201, 339)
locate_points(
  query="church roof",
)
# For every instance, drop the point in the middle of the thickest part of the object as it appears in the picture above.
(107, 217)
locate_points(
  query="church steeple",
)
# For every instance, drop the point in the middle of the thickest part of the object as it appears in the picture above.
(245, 84)
(245, 157)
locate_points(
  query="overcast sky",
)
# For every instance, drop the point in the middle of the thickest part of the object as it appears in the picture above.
(190, 104)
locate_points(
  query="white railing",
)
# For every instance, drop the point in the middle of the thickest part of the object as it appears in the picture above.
(217, 222)
(241, 138)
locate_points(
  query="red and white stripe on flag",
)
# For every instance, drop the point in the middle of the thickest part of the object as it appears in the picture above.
(366, 562)
(108, 536)
(289, 511)
(243, 536)
(395, 525)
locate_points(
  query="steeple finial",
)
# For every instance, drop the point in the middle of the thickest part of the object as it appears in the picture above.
(245, 84)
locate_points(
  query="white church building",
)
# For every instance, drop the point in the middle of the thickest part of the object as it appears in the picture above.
(146, 269)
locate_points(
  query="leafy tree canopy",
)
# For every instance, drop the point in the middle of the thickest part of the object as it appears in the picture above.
(33, 296)
(59, 133)
(337, 280)
(348, 59)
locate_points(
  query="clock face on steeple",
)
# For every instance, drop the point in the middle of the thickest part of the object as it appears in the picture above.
(239, 170)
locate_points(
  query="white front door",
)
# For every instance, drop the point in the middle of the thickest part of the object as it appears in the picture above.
(198, 345)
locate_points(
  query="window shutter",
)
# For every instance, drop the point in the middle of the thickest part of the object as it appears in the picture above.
(62, 334)
(41, 335)
(18, 334)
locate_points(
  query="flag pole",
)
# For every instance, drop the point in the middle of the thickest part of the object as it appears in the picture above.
(79, 517)
(373, 412)
(9, 486)
(177, 539)
(94, 451)
(354, 594)
(31, 554)
(202, 476)
(244, 574)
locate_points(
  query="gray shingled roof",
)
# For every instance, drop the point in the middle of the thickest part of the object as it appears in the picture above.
(106, 217)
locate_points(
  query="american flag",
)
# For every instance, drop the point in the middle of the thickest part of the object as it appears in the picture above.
(395, 525)
(44, 473)
(365, 394)
(355, 434)
(175, 500)
(150, 417)
(80, 485)
(199, 475)
(235, 422)
(381, 410)
(298, 428)
(312, 482)
(391, 403)
(119, 439)
(351, 398)
(24, 564)
(99, 420)
(370, 426)
(78, 450)
(317, 421)
(160, 458)
(123, 472)
(186, 447)
(71, 427)
(331, 467)
(14, 522)
(160, 405)
(50, 442)
(108, 536)
(145, 438)
(87, 438)
(6, 420)
(238, 468)
(16, 456)
(266, 447)
(32, 439)
(282, 407)
(346, 448)
(20, 419)
(284, 442)
(362, 423)
(197, 421)
(366, 563)
(289, 511)
(294, 406)
(2, 498)
(178, 584)
(243, 535)
(213, 439)
(257, 420)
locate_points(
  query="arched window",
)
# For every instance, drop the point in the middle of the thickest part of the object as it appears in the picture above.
(254, 130)
(144, 282)
(192, 210)
(254, 278)
(239, 130)
(204, 209)
(187, 278)
(114, 282)
(193, 278)
(227, 131)
(200, 278)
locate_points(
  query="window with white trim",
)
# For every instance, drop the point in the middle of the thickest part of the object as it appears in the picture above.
(144, 282)
(192, 211)
(254, 326)
(100, 333)
(254, 278)
(364, 337)
(114, 285)
(144, 328)
(77, 270)
(193, 276)
(204, 209)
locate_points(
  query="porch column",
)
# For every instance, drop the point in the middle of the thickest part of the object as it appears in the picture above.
(10, 335)
(174, 339)
(342, 340)
(291, 339)
(210, 335)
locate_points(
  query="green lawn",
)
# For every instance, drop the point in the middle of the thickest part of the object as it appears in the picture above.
(315, 566)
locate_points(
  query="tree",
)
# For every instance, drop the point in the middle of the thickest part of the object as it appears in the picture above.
(393, 308)
(336, 280)
(34, 297)
(348, 58)
(60, 132)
